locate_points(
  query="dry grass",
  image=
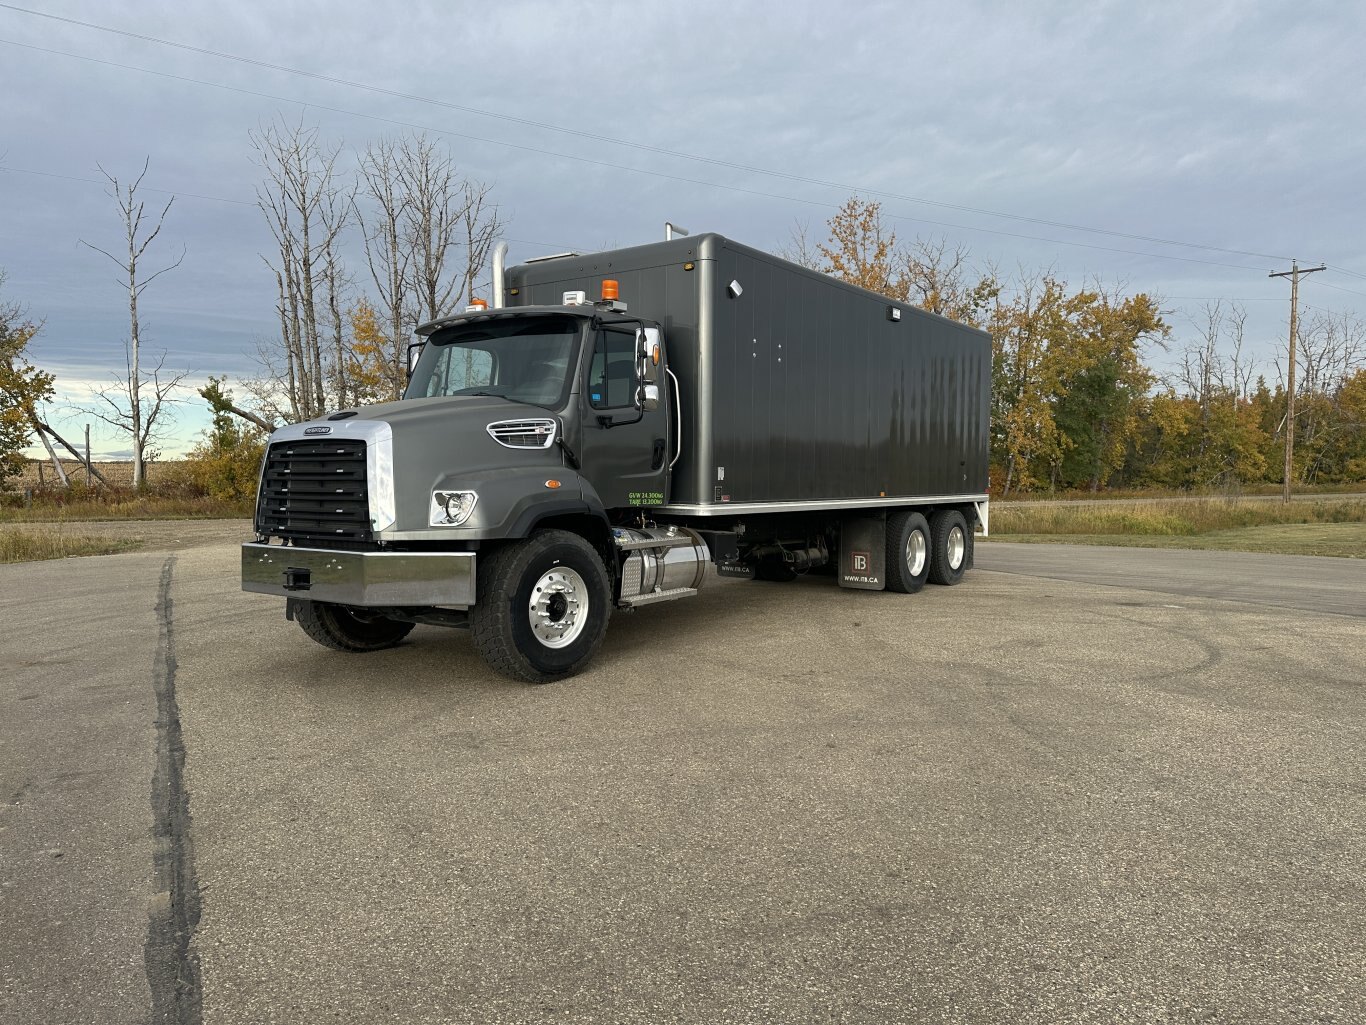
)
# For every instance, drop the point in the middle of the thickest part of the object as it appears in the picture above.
(1322, 526)
(1225, 493)
(118, 505)
(56, 543)
(1172, 518)
(1339, 540)
(167, 497)
(119, 474)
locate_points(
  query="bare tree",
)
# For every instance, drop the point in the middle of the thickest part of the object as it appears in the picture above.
(800, 249)
(1241, 369)
(1215, 369)
(481, 225)
(386, 247)
(423, 216)
(153, 399)
(1332, 348)
(128, 409)
(307, 210)
(938, 279)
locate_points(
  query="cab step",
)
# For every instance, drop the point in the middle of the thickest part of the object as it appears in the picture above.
(656, 596)
(678, 541)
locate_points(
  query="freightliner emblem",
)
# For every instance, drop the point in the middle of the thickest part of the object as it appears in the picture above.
(317, 430)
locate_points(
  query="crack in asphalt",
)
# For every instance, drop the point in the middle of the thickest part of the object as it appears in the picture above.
(170, 958)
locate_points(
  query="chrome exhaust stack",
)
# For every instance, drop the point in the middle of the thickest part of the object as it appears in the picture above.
(500, 252)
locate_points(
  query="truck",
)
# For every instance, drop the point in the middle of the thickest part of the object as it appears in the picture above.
(612, 430)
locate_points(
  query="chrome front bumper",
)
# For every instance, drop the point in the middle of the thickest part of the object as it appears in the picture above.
(371, 579)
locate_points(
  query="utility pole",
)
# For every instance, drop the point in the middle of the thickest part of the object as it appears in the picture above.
(1294, 275)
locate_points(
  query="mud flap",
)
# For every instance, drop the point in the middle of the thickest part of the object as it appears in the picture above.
(863, 552)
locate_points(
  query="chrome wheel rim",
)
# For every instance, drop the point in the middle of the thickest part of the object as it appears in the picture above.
(558, 609)
(957, 547)
(916, 552)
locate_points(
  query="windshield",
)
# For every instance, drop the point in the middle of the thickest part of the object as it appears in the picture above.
(526, 359)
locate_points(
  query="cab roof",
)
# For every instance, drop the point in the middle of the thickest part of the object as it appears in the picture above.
(604, 315)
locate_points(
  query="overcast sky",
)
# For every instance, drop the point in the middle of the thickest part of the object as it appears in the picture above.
(1237, 126)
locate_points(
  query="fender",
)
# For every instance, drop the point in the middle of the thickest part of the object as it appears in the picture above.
(511, 501)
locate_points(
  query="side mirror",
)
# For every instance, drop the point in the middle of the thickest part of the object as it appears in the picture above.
(649, 352)
(648, 397)
(414, 351)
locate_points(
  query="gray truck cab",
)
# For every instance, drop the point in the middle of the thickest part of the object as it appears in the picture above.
(587, 383)
(523, 444)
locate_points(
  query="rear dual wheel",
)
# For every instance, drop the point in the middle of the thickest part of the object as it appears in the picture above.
(908, 551)
(950, 546)
(936, 550)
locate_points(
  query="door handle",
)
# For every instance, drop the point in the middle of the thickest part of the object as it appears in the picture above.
(658, 460)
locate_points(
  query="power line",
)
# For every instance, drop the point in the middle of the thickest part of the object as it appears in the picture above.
(1328, 284)
(645, 147)
(1344, 270)
(1222, 299)
(609, 164)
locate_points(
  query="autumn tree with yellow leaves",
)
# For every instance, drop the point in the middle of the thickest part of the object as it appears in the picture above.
(368, 361)
(22, 386)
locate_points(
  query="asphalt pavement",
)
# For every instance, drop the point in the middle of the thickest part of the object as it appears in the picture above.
(1070, 789)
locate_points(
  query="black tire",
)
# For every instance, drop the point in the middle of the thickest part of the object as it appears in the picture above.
(908, 551)
(339, 628)
(950, 545)
(548, 641)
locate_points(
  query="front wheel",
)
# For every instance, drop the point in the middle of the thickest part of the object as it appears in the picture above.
(543, 607)
(950, 542)
(344, 629)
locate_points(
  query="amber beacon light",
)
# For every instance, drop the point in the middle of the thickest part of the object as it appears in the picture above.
(610, 289)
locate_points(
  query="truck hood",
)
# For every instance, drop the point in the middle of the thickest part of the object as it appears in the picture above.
(420, 446)
(419, 451)
(448, 410)
(438, 440)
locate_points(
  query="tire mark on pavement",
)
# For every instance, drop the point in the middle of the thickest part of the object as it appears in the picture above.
(171, 961)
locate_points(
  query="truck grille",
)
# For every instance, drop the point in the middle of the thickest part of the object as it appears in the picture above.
(314, 490)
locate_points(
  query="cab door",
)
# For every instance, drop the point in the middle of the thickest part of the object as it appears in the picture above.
(625, 446)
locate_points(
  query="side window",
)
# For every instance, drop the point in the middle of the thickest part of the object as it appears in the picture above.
(612, 374)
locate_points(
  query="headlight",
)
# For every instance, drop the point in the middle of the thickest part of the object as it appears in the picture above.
(451, 508)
